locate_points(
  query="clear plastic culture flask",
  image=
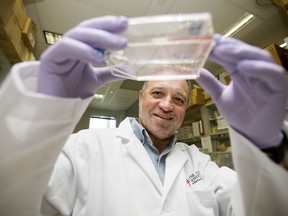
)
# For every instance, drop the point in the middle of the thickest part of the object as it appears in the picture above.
(165, 47)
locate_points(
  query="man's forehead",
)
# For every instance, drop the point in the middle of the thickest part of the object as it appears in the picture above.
(168, 84)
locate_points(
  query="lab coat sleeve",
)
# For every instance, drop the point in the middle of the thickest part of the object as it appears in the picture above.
(34, 128)
(262, 185)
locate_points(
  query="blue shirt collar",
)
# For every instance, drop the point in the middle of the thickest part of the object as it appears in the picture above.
(143, 135)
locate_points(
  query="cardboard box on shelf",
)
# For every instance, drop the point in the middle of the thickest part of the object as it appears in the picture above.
(6, 7)
(15, 7)
(16, 52)
(20, 13)
(280, 55)
(15, 30)
(24, 56)
(10, 44)
(196, 96)
(10, 30)
(29, 33)
(197, 91)
(196, 100)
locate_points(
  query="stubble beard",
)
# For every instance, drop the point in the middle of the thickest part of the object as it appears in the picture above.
(160, 130)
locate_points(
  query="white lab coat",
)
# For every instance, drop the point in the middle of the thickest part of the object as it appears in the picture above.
(109, 172)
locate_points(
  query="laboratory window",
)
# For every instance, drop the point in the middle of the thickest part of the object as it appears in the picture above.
(102, 122)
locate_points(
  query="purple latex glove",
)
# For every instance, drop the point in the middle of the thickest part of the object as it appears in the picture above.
(66, 67)
(254, 102)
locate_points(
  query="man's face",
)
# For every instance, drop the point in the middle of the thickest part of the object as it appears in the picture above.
(162, 106)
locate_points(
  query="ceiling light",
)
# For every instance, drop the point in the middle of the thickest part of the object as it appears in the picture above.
(242, 22)
(283, 45)
(98, 96)
(51, 37)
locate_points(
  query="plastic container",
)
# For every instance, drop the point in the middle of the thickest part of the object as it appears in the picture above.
(166, 47)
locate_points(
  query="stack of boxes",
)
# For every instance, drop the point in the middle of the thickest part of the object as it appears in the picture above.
(17, 32)
(196, 97)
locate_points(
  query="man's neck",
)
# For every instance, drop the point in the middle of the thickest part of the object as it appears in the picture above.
(160, 144)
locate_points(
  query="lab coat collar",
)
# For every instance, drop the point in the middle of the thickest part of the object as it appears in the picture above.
(138, 152)
(174, 163)
(125, 130)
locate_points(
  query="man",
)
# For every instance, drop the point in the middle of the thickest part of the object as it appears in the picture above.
(162, 107)
(138, 168)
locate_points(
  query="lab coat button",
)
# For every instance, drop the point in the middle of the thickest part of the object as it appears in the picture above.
(167, 207)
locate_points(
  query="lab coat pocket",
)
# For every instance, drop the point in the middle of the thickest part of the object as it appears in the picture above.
(202, 202)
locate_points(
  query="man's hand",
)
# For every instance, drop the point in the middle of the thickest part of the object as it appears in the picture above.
(254, 102)
(66, 67)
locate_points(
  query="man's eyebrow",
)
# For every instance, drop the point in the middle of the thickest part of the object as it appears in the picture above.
(182, 93)
(178, 92)
(157, 88)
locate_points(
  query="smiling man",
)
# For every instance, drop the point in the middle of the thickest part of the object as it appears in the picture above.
(162, 106)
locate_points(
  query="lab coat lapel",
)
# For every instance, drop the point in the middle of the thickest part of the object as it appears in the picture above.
(174, 163)
(138, 152)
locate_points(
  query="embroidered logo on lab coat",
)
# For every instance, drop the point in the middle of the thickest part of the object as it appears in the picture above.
(194, 178)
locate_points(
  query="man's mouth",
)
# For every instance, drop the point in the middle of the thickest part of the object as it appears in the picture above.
(164, 116)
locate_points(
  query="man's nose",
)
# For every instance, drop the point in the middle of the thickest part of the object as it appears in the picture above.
(166, 104)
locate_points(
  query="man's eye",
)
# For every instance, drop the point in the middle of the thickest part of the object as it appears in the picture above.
(157, 93)
(179, 101)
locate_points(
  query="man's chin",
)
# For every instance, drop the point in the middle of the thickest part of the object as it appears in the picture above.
(162, 134)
